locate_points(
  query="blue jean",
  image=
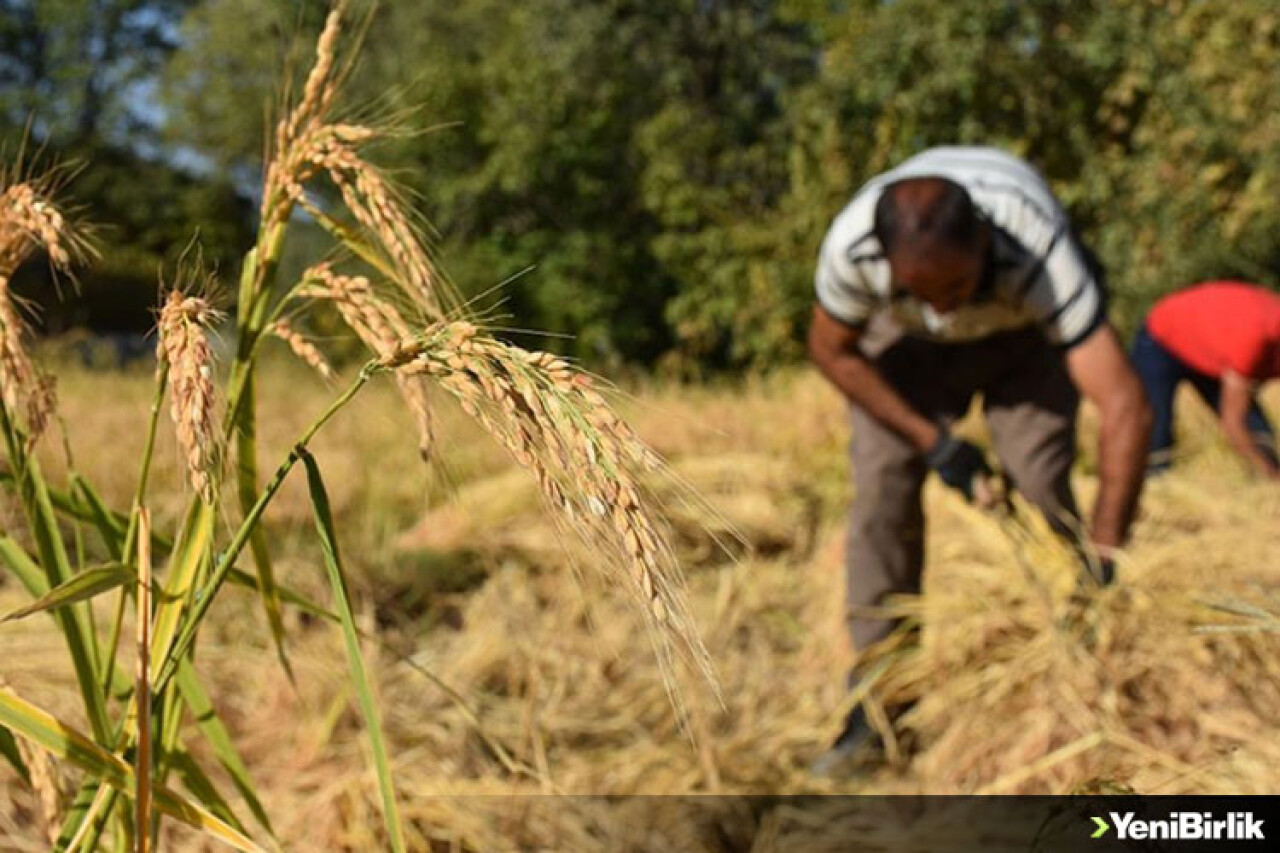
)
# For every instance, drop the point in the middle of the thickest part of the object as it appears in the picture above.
(1161, 372)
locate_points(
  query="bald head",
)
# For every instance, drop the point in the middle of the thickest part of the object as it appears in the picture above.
(934, 239)
(923, 214)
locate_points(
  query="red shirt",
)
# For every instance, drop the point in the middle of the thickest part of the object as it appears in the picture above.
(1221, 326)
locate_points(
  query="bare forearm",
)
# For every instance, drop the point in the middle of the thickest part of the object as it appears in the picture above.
(859, 380)
(1234, 405)
(1101, 370)
(1122, 450)
(1240, 439)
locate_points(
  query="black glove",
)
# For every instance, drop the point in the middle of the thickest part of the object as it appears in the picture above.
(1097, 570)
(958, 462)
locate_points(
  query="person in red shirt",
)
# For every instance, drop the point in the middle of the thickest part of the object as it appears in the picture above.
(1223, 337)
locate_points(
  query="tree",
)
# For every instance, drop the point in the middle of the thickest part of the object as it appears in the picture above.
(580, 139)
(84, 69)
(667, 169)
(1153, 119)
(78, 80)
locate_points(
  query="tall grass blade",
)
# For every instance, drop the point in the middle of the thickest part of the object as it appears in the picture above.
(247, 490)
(203, 789)
(83, 818)
(9, 749)
(211, 726)
(74, 622)
(184, 566)
(101, 517)
(288, 595)
(27, 570)
(84, 586)
(70, 745)
(350, 634)
(76, 508)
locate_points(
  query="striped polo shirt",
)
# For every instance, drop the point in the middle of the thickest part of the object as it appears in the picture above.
(1040, 273)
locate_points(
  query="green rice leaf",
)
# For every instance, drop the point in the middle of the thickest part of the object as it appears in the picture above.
(184, 565)
(109, 527)
(70, 745)
(82, 587)
(247, 490)
(288, 595)
(27, 570)
(351, 638)
(9, 749)
(206, 717)
(56, 565)
(202, 788)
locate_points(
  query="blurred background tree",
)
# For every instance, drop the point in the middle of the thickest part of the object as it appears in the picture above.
(78, 84)
(648, 182)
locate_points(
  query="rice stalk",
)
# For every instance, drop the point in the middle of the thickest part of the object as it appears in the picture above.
(142, 684)
(378, 323)
(308, 141)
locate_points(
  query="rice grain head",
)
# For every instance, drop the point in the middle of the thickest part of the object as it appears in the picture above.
(17, 374)
(309, 143)
(380, 326)
(184, 345)
(304, 349)
(29, 220)
(542, 411)
(553, 422)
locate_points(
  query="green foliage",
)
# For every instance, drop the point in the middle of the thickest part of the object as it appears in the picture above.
(649, 180)
(77, 82)
(1153, 119)
(81, 69)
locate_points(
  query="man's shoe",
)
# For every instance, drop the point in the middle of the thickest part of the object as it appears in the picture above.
(852, 742)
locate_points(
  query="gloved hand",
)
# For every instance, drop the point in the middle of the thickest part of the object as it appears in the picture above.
(958, 463)
(1096, 570)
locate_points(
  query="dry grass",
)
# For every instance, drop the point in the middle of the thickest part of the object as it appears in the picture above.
(1020, 690)
(47, 788)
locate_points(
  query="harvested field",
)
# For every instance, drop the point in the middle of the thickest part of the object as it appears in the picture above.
(501, 671)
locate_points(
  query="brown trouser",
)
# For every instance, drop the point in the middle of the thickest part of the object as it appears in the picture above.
(1030, 407)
